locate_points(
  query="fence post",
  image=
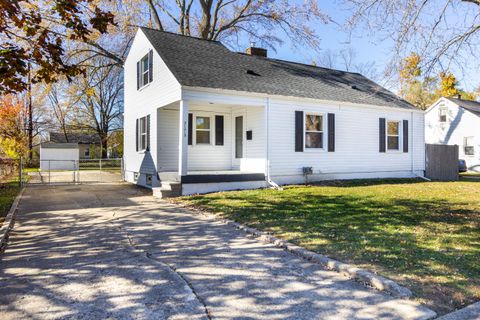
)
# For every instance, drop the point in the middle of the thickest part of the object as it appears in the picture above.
(100, 174)
(20, 172)
(48, 171)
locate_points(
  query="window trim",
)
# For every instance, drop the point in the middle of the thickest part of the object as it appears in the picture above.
(194, 127)
(442, 108)
(400, 136)
(144, 71)
(471, 146)
(142, 121)
(312, 113)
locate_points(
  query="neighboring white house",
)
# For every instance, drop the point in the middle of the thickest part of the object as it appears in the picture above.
(58, 156)
(454, 121)
(211, 119)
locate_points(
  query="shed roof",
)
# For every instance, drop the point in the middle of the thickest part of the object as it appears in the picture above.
(53, 145)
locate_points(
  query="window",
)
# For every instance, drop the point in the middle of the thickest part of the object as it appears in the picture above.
(144, 66)
(393, 135)
(202, 130)
(468, 146)
(142, 134)
(313, 131)
(443, 115)
(87, 152)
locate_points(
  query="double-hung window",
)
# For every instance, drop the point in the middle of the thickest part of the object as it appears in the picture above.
(144, 70)
(202, 130)
(443, 115)
(142, 133)
(468, 146)
(313, 131)
(393, 135)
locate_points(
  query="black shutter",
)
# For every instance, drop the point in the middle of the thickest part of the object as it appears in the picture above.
(148, 133)
(150, 66)
(219, 130)
(405, 135)
(136, 135)
(299, 131)
(138, 75)
(331, 132)
(382, 135)
(190, 127)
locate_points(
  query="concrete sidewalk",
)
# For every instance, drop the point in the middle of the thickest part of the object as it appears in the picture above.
(112, 251)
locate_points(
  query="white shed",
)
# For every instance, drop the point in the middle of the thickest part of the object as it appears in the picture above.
(59, 156)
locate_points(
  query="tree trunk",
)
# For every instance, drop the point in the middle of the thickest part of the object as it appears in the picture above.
(104, 140)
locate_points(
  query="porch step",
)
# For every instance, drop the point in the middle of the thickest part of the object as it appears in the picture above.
(168, 189)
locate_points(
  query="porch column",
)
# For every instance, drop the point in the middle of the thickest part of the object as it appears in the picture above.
(183, 139)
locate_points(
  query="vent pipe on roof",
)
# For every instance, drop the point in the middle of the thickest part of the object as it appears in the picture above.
(255, 51)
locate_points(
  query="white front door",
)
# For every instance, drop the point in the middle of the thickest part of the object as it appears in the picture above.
(238, 141)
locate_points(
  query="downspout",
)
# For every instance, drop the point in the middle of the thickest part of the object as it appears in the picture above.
(267, 151)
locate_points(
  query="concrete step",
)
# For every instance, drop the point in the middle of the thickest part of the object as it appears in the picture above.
(168, 189)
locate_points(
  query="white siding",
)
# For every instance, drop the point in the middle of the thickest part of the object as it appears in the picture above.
(357, 138)
(163, 90)
(356, 144)
(254, 160)
(212, 157)
(58, 159)
(460, 124)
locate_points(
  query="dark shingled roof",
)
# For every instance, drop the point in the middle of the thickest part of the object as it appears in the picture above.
(209, 64)
(54, 145)
(73, 137)
(472, 106)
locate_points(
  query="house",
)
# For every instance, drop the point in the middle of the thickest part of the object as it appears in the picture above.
(89, 145)
(201, 118)
(58, 156)
(454, 121)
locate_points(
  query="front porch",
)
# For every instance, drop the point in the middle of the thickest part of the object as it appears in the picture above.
(204, 146)
(206, 143)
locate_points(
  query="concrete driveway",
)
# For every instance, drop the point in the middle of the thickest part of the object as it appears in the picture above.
(113, 251)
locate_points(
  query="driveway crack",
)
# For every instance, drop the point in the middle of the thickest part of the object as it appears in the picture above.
(151, 257)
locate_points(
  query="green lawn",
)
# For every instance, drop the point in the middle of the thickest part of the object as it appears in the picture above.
(426, 235)
(8, 192)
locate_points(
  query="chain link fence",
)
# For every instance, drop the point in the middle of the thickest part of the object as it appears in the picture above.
(77, 171)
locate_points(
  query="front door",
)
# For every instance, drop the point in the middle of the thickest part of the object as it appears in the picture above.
(238, 150)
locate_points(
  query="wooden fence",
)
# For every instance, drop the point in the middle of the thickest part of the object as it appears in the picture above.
(441, 162)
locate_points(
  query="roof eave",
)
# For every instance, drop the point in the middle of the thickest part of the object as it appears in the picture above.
(266, 95)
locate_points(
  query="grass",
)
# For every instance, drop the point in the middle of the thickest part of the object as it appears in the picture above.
(425, 235)
(8, 192)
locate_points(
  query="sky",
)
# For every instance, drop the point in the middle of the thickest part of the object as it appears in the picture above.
(366, 46)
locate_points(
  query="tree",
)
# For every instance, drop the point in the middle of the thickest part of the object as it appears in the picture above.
(63, 104)
(228, 20)
(421, 90)
(13, 139)
(415, 88)
(448, 85)
(36, 31)
(440, 31)
(101, 103)
(346, 59)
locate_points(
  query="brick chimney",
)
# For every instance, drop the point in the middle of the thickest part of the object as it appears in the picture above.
(255, 51)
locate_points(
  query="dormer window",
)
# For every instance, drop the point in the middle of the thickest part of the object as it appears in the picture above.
(145, 70)
(443, 115)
